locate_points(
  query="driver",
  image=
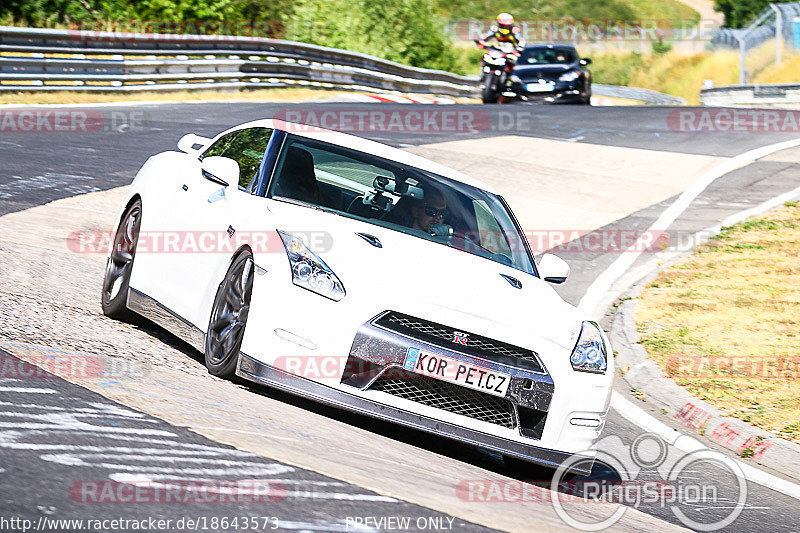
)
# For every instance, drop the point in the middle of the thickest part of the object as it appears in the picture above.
(432, 209)
(504, 31)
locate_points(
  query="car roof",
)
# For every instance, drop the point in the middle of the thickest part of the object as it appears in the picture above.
(365, 145)
(550, 45)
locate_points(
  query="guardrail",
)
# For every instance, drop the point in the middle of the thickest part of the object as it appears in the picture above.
(113, 61)
(749, 95)
(117, 61)
(637, 93)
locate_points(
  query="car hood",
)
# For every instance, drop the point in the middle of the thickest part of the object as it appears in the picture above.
(411, 273)
(545, 72)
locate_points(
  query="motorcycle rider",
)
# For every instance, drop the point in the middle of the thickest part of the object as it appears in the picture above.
(504, 31)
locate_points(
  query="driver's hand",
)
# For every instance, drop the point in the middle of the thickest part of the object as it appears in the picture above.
(441, 230)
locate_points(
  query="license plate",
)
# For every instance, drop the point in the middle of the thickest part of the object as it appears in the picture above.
(539, 87)
(458, 372)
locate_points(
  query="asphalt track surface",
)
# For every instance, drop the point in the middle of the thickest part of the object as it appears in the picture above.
(40, 167)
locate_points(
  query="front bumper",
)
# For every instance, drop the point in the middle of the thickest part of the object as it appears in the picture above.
(256, 371)
(562, 93)
(526, 422)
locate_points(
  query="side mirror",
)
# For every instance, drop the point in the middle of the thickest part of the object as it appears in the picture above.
(221, 170)
(190, 140)
(553, 269)
(585, 61)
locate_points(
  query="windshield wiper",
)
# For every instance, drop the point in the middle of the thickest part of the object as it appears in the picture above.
(303, 203)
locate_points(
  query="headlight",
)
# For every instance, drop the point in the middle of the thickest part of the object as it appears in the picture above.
(515, 79)
(589, 354)
(572, 75)
(309, 271)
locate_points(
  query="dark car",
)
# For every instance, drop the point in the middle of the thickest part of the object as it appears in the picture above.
(553, 73)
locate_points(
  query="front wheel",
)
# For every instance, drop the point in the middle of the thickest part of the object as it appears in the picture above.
(229, 317)
(114, 297)
(490, 93)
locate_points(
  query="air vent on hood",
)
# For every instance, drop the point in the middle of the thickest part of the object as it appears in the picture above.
(372, 239)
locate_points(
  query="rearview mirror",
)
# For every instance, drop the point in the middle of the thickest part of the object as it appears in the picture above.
(190, 140)
(585, 61)
(221, 170)
(553, 269)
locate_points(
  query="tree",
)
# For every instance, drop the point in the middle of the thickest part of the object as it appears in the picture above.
(406, 31)
(738, 13)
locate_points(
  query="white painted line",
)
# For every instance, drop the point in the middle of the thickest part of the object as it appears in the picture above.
(339, 496)
(255, 470)
(27, 390)
(758, 210)
(687, 444)
(78, 458)
(597, 290)
(83, 427)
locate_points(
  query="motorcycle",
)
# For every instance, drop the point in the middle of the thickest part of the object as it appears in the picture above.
(496, 66)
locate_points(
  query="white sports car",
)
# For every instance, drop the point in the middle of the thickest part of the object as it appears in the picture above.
(365, 277)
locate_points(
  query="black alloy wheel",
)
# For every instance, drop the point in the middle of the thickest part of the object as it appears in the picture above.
(229, 317)
(120, 264)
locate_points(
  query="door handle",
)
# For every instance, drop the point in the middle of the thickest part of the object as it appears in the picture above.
(185, 187)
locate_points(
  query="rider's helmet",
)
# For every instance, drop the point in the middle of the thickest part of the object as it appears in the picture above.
(505, 23)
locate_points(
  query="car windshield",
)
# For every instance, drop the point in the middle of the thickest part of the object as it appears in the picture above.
(399, 197)
(545, 55)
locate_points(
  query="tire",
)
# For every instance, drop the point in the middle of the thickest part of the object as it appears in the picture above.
(488, 94)
(229, 317)
(114, 294)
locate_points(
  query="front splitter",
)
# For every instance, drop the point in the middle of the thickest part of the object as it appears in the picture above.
(258, 372)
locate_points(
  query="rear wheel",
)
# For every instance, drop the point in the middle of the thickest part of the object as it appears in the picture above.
(229, 317)
(116, 282)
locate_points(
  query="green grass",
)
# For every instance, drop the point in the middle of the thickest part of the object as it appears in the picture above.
(724, 323)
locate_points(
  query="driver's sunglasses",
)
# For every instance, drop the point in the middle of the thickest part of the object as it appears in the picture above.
(434, 212)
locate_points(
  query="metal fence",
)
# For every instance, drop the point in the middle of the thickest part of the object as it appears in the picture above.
(778, 22)
(35, 59)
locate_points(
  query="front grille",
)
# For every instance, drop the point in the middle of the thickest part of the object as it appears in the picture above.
(443, 336)
(446, 396)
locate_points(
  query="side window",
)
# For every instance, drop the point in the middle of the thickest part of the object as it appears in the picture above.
(246, 147)
(218, 148)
